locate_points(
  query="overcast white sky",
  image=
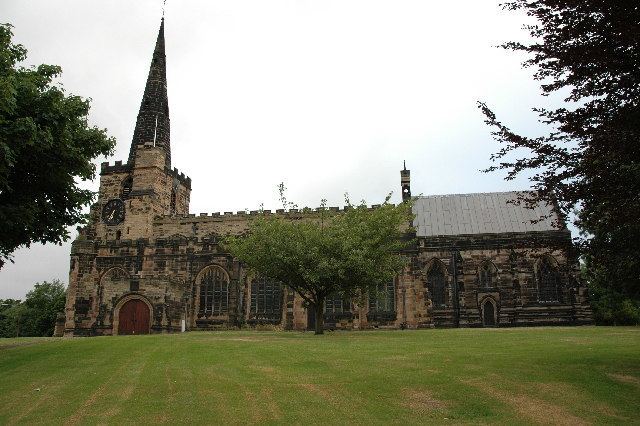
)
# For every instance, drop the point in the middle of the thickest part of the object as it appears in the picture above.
(326, 95)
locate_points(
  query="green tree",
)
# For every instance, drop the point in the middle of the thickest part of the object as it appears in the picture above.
(11, 311)
(46, 148)
(36, 315)
(589, 162)
(43, 304)
(318, 254)
(610, 307)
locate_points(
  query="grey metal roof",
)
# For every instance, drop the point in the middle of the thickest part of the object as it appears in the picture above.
(483, 213)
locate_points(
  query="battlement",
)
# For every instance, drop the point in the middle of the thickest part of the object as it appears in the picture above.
(182, 178)
(117, 167)
(248, 214)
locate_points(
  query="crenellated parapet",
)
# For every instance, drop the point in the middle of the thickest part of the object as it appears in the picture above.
(181, 177)
(233, 223)
(117, 167)
(244, 214)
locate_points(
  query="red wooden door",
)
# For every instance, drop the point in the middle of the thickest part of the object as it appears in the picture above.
(134, 318)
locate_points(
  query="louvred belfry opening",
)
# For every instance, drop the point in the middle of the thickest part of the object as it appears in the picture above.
(153, 125)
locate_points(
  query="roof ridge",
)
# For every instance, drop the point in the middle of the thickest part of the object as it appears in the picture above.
(475, 193)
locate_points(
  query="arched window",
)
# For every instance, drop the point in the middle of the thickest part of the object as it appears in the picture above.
(266, 300)
(127, 184)
(383, 299)
(488, 274)
(114, 276)
(214, 291)
(172, 202)
(548, 280)
(436, 284)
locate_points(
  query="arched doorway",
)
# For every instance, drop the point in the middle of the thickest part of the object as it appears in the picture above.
(311, 318)
(134, 317)
(488, 314)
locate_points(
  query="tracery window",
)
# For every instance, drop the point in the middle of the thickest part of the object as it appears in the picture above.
(436, 284)
(488, 274)
(172, 201)
(548, 280)
(214, 292)
(266, 300)
(383, 299)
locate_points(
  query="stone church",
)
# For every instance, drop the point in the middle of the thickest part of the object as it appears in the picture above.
(144, 264)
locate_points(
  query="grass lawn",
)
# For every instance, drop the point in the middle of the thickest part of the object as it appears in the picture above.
(539, 375)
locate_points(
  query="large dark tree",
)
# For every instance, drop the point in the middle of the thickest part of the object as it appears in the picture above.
(46, 148)
(589, 162)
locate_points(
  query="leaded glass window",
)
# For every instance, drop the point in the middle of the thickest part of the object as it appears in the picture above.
(436, 284)
(383, 299)
(488, 274)
(548, 281)
(335, 304)
(266, 300)
(214, 292)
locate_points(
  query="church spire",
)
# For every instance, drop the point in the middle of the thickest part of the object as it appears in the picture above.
(152, 125)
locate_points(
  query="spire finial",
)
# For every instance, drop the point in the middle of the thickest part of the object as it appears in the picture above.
(164, 3)
(404, 164)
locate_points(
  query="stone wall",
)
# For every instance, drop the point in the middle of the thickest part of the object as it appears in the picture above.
(165, 271)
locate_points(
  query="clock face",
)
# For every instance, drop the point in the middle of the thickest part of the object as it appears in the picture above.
(113, 212)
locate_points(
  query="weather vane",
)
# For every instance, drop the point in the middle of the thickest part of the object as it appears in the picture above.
(164, 3)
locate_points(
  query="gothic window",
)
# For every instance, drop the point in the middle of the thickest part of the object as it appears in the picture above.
(126, 188)
(488, 274)
(266, 300)
(172, 203)
(383, 299)
(335, 304)
(214, 292)
(548, 280)
(436, 284)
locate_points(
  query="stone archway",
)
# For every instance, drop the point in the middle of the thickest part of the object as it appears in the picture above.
(489, 313)
(132, 315)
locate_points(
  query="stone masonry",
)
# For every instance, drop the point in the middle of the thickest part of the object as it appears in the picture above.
(169, 263)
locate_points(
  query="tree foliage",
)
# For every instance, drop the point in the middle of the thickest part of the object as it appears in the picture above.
(46, 148)
(610, 307)
(36, 316)
(589, 162)
(325, 253)
(11, 310)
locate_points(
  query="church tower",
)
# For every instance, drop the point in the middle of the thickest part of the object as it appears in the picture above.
(131, 195)
(111, 279)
